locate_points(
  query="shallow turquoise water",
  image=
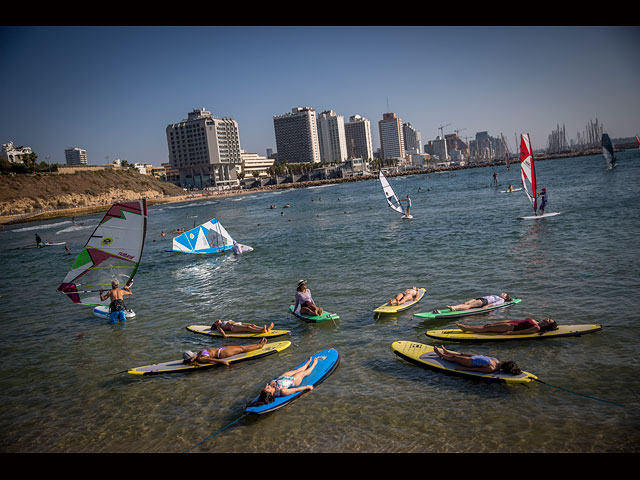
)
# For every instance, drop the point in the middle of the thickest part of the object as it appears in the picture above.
(63, 390)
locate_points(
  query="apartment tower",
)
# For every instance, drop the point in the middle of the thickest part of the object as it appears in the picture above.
(391, 138)
(297, 136)
(205, 150)
(358, 137)
(75, 156)
(331, 137)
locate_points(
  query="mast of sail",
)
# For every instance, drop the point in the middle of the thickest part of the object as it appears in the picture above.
(527, 170)
(390, 195)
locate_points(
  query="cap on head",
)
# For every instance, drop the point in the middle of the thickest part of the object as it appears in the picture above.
(188, 355)
(301, 282)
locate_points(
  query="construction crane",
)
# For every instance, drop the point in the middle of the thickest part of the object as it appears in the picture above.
(441, 127)
(458, 131)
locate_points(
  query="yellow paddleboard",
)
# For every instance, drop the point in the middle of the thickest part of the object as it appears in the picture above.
(424, 356)
(457, 335)
(206, 330)
(386, 308)
(177, 365)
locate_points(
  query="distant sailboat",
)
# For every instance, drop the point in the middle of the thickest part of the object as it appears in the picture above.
(390, 195)
(607, 151)
(528, 174)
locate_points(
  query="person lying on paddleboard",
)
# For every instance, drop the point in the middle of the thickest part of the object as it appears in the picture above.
(304, 300)
(117, 307)
(518, 327)
(218, 355)
(404, 297)
(286, 384)
(478, 363)
(231, 326)
(480, 302)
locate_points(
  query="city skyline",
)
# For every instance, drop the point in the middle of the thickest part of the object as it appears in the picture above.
(114, 90)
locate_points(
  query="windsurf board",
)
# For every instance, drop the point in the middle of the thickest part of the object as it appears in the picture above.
(535, 217)
(102, 311)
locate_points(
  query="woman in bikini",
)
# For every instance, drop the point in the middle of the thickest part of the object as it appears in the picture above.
(478, 363)
(218, 355)
(286, 384)
(231, 326)
(480, 302)
(509, 327)
(404, 297)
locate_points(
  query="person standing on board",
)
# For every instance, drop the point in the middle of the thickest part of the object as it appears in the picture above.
(543, 200)
(116, 308)
(495, 179)
(408, 206)
(38, 240)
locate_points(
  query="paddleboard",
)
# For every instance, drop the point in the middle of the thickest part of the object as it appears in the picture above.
(328, 361)
(457, 335)
(102, 311)
(314, 319)
(509, 191)
(177, 365)
(534, 217)
(386, 308)
(407, 217)
(45, 244)
(206, 330)
(424, 356)
(446, 313)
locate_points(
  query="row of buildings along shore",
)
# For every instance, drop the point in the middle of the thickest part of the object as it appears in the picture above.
(205, 151)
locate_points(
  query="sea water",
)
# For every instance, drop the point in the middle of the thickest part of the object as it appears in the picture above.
(64, 386)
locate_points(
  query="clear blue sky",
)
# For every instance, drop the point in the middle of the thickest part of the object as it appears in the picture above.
(113, 90)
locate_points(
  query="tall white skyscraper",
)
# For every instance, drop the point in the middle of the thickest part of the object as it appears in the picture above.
(205, 150)
(331, 137)
(297, 136)
(391, 138)
(358, 137)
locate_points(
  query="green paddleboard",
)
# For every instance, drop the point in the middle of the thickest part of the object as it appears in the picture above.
(314, 319)
(446, 313)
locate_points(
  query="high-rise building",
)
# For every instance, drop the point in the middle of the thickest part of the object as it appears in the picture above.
(331, 137)
(391, 141)
(412, 138)
(75, 156)
(297, 136)
(205, 150)
(358, 137)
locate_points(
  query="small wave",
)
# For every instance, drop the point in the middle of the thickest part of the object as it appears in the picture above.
(42, 227)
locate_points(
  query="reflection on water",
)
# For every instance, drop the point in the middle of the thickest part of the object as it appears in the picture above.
(63, 390)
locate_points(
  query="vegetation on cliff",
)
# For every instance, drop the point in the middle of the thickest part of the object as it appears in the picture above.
(43, 191)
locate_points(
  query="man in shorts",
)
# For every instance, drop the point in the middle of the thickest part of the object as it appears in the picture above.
(116, 308)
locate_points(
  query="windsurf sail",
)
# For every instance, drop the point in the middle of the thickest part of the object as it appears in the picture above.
(390, 195)
(113, 252)
(210, 237)
(607, 150)
(638, 141)
(528, 171)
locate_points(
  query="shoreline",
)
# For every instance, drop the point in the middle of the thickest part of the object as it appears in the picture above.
(91, 209)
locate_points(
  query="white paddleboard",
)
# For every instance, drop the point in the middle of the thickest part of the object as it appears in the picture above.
(533, 217)
(102, 311)
(509, 191)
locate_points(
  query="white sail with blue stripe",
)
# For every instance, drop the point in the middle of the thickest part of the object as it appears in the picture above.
(210, 237)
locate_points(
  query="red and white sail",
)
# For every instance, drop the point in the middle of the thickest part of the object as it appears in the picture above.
(527, 170)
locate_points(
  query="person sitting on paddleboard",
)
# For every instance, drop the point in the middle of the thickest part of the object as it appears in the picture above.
(404, 297)
(286, 384)
(478, 363)
(518, 327)
(304, 300)
(543, 200)
(117, 307)
(480, 302)
(218, 355)
(238, 327)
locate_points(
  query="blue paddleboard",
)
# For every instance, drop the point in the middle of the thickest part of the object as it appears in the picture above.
(328, 360)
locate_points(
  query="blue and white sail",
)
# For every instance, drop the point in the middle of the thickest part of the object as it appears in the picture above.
(210, 237)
